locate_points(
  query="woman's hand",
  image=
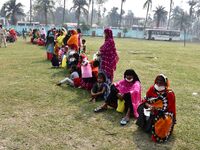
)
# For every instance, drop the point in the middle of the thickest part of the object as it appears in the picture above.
(151, 107)
(120, 96)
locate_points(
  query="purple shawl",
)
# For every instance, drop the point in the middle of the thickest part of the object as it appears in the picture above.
(109, 57)
(135, 90)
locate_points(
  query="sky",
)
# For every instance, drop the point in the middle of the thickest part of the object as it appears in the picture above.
(135, 5)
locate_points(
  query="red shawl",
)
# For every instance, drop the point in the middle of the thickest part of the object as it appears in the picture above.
(109, 57)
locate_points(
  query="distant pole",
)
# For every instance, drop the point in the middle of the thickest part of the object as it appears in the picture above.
(184, 37)
(30, 12)
(64, 12)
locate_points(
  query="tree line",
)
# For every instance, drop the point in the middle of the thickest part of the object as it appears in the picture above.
(91, 12)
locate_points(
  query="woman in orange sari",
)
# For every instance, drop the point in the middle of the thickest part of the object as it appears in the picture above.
(157, 113)
(73, 40)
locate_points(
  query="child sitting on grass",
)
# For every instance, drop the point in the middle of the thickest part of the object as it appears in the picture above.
(100, 89)
(73, 80)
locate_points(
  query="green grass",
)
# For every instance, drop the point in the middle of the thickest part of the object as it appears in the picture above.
(36, 114)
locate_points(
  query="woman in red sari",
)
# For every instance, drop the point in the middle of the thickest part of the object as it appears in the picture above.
(108, 56)
(157, 113)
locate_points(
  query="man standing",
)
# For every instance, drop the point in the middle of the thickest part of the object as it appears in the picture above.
(2, 36)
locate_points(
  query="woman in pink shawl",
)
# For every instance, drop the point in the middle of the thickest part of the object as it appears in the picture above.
(128, 89)
(108, 56)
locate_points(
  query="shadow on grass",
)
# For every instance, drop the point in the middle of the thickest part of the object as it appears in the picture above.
(143, 141)
(41, 61)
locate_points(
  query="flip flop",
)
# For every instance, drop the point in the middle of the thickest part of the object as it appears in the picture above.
(99, 109)
(124, 121)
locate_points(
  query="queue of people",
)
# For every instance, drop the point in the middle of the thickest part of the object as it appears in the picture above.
(7, 36)
(155, 114)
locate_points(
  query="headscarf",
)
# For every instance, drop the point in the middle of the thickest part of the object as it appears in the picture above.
(165, 80)
(109, 57)
(73, 40)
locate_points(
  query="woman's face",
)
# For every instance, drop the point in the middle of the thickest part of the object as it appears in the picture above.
(100, 80)
(129, 78)
(160, 81)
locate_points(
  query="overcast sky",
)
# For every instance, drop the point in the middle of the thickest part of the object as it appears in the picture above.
(135, 5)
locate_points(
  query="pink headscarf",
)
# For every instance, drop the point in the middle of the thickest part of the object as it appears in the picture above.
(109, 56)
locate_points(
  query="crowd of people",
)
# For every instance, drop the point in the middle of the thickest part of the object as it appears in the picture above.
(155, 114)
(7, 35)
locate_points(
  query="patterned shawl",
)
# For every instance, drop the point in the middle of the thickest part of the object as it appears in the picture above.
(109, 57)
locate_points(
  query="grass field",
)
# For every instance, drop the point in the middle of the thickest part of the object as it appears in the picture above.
(36, 114)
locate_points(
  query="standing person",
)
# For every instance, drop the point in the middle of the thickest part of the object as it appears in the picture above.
(73, 41)
(127, 89)
(24, 33)
(108, 56)
(157, 113)
(79, 39)
(2, 36)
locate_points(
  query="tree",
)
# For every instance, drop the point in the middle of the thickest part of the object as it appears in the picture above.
(79, 7)
(113, 17)
(12, 10)
(160, 15)
(100, 4)
(92, 13)
(192, 4)
(129, 18)
(147, 5)
(181, 19)
(170, 11)
(44, 6)
(64, 12)
(121, 12)
(30, 11)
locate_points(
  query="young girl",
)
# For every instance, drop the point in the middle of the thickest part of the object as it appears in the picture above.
(73, 80)
(100, 89)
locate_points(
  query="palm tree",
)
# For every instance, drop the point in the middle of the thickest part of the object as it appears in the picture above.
(79, 8)
(12, 10)
(170, 11)
(46, 6)
(120, 21)
(148, 5)
(160, 15)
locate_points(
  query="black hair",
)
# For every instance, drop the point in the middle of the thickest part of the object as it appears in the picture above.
(73, 68)
(96, 63)
(102, 75)
(76, 56)
(83, 40)
(79, 30)
(131, 72)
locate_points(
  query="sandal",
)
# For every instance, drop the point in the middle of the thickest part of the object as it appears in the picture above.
(99, 109)
(124, 121)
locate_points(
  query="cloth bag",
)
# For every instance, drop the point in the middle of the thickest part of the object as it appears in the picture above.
(86, 71)
(120, 106)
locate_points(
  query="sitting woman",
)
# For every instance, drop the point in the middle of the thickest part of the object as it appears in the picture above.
(157, 113)
(128, 89)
